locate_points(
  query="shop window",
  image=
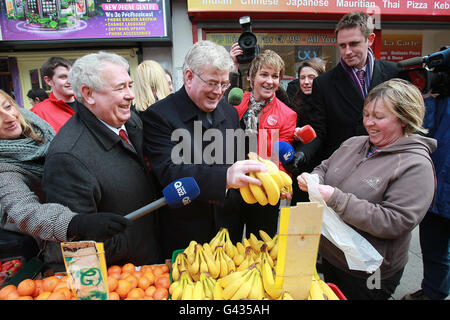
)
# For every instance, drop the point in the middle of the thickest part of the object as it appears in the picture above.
(293, 47)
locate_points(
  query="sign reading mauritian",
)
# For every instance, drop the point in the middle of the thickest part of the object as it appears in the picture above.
(397, 7)
(82, 19)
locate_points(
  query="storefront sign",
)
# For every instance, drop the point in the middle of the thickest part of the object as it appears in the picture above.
(397, 7)
(83, 19)
(279, 39)
(398, 47)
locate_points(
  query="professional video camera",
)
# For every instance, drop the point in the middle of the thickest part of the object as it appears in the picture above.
(435, 76)
(247, 41)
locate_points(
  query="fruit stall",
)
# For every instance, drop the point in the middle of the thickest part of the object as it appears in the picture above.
(260, 267)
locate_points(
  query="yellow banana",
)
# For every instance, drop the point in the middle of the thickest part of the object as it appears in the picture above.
(270, 187)
(234, 286)
(286, 181)
(257, 291)
(217, 291)
(245, 243)
(316, 291)
(225, 281)
(213, 268)
(258, 192)
(274, 251)
(189, 251)
(230, 249)
(188, 291)
(264, 236)
(247, 195)
(216, 241)
(238, 259)
(240, 247)
(245, 288)
(223, 262)
(268, 281)
(175, 271)
(178, 292)
(198, 293)
(255, 242)
(194, 267)
(203, 264)
(207, 249)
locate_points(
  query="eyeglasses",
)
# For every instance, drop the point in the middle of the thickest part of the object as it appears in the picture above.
(213, 84)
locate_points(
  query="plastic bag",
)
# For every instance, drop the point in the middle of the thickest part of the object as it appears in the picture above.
(359, 253)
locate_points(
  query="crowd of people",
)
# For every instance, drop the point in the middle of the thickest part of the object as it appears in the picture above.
(102, 145)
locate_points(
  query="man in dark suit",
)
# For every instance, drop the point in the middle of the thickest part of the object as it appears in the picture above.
(91, 168)
(338, 95)
(191, 134)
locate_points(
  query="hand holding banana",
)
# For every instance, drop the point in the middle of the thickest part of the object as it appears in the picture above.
(273, 185)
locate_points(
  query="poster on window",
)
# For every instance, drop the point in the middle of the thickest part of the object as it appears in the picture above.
(83, 19)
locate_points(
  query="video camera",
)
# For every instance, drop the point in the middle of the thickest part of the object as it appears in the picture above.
(435, 76)
(247, 41)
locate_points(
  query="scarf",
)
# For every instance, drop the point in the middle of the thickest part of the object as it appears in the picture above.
(25, 152)
(251, 117)
(368, 76)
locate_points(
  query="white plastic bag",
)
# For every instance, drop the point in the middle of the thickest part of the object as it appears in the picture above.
(359, 253)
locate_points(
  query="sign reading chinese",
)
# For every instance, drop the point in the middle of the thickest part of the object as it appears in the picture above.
(83, 19)
(394, 7)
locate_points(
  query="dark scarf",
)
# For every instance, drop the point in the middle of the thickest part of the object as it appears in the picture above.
(25, 152)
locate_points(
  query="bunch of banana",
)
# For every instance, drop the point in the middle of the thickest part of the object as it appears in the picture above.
(179, 265)
(244, 284)
(223, 261)
(269, 281)
(320, 290)
(273, 182)
(204, 288)
(248, 259)
(222, 238)
(182, 289)
(265, 256)
(272, 244)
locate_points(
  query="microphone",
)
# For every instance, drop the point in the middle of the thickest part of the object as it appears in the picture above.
(177, 194)
(284, 151)
(235, 96)
(411, 62)
(305, 134)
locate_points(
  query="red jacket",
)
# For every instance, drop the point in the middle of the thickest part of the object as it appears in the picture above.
(55, 112)
(275, 116)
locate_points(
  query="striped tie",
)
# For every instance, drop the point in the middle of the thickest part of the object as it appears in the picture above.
(361, 75)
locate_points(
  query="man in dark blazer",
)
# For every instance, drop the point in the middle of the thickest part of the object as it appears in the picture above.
(338, 95)
(90, 168)
(190, 134)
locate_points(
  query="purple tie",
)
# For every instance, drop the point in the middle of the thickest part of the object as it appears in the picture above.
(361, 75)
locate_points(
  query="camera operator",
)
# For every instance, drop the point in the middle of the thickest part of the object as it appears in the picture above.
(434, 230)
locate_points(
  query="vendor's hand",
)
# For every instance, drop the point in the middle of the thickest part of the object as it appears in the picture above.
(325, 191)
(234, 52)
(237, 174)
(301, 179)
(285, 195)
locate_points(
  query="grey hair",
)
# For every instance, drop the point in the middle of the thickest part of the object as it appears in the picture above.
(88, 70)
(207, 53)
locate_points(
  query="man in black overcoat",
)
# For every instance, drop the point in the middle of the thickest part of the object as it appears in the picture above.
(91, 169)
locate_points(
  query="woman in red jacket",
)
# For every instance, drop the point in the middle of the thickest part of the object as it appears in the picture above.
(265, 120)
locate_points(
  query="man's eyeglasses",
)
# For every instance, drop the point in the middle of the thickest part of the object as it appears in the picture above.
(213, 84)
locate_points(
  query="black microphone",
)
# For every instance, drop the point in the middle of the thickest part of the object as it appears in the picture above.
(411, 62)
(176, 195)
(235, 96)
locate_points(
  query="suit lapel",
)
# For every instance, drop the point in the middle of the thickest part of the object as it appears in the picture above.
(378, 75)
(350, 97)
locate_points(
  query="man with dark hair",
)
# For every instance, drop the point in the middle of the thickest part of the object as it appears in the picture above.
(61, 104)
(338, 94)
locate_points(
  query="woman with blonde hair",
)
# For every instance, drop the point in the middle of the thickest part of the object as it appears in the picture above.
(24, 141)
(381, 185)
(150, 85)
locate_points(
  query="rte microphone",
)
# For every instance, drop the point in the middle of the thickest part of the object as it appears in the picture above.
(411, 62)
(235, 96)
(284, 151)
(305, 134)
(176, 195)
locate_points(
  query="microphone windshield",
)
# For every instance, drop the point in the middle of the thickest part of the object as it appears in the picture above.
(284, 151)
(235, 96)
(305, 134)
(181, 192)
